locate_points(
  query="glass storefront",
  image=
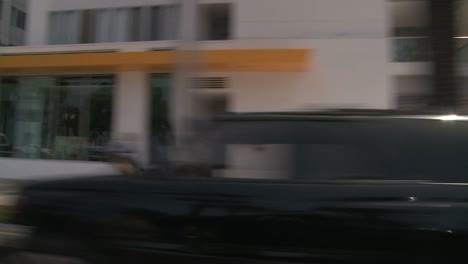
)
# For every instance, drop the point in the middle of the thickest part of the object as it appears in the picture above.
(461, 52)
(160, 129)
(461, 23)
(411, 41)
(55, 117)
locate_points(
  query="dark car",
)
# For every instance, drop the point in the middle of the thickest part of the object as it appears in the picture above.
(344, 187)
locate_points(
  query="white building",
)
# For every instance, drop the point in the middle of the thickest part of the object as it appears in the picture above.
(12, 22)
(93, 70)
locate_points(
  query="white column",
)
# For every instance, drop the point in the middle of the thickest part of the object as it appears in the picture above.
(131, 109)
(37, 27)
(5, 22)
(181, 102)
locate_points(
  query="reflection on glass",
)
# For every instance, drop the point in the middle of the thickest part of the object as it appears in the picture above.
(65, 117)
(160, 133)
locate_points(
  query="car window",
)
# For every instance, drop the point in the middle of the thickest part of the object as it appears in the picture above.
(335, 161)
(369, 149)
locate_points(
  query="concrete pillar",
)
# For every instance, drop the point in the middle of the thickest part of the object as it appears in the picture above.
(5, 22)
(37, 23)
(130, 112)
(181, 101)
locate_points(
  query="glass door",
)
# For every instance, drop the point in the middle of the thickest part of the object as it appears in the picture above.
(160, 127)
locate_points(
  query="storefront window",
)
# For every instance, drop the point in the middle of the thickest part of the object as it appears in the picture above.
(461, 23)
(461, 52)
(411, 31)
(160, 133)
(64, 117)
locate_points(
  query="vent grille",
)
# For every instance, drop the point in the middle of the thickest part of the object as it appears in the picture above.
(413, 102)
(463, 104)
(209, 83)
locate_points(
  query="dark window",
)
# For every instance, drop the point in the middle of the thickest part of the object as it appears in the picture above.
(18, 18)
(164, 22)
(215, 21)
(161, 130)
(411, 49)
(334, 161)
(405, 149)
(88, 27)
(1, 9)
(134, 24)
(50, 117)
(21, 20)
(411, 32)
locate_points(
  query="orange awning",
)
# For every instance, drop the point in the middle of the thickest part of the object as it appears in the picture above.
(279, 60)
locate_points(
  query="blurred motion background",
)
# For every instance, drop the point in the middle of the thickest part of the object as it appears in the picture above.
(75, 75)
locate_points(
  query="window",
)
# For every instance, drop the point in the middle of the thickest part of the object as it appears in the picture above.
(135, 25)
(411, 31)
(323, 150)
(161, 131)
(164, 22)
(412, 49)
(21, 20)
(461, 21)
(88, 27)
(65, 27)
(334, 161)
(215, 21)
(66, 118)
(114, 25)
(18, 18)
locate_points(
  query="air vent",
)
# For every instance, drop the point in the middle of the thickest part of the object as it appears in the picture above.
(209, 83)
(413, 102)
(463, 104)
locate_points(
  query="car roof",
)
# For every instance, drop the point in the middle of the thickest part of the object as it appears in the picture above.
(345, 114)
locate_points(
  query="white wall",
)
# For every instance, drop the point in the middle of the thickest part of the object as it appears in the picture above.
(37, 23)
(413, 85)
(310, 18)
(344, 73)
(131, 108)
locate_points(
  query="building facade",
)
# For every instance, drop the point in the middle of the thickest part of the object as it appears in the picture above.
(12, 22)
(137, 70)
